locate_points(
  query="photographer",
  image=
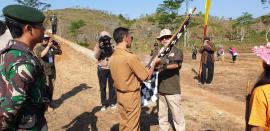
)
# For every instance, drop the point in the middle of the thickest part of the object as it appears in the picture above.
(46, 52)
(207, 60)
(103, 51)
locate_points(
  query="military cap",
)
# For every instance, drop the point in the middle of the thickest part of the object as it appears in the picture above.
(23, 14)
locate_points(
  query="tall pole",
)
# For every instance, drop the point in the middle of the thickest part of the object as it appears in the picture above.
(185, 33)
(207, 8)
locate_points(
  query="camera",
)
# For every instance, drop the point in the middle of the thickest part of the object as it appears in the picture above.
(55, 43)
(104, 42)
(105, 46)
(56, 47)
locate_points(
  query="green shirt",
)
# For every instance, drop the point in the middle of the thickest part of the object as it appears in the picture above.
(168, 79)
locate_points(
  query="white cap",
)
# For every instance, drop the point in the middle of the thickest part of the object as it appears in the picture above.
(103, 33)
(46, 36)
(164, 32)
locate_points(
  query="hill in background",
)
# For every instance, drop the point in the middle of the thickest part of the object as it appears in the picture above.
(145, 29)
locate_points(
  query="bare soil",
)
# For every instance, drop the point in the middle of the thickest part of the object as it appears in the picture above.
(219, 107)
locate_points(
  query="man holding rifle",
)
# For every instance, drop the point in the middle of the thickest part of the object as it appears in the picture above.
(169, 85)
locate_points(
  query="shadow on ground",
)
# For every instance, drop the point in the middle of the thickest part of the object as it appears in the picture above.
(73, 92)
(149, 117)
(86, 121)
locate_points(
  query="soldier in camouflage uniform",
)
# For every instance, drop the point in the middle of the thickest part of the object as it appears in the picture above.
(23, 92)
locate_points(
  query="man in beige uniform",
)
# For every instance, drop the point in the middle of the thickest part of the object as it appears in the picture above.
(127, 73)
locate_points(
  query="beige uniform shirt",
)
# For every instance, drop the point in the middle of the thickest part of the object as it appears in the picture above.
(126, 70)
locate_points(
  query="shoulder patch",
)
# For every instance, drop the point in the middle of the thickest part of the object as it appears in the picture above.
(171, 54)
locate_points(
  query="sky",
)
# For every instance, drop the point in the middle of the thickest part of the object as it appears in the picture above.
(136, 8)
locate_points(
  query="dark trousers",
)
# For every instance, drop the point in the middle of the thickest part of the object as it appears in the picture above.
(194, 56)
(234, 58)
(54, 29)
(104, 75)
(210, 73)
(49, 81)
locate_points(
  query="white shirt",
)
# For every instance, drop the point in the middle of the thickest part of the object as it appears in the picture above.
(4, 39)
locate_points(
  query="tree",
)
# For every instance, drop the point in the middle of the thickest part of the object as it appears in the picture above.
(266, 21)
(74, 28)
(266, 3)
(243, 22)
(167, 12)
(35, 4)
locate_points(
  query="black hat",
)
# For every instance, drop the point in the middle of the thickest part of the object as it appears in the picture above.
(206, 38)
(24, 14)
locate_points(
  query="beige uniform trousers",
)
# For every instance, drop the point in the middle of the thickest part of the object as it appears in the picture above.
(129, 106)
(174, 103)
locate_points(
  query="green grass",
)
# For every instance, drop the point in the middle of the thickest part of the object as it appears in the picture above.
(145, 29)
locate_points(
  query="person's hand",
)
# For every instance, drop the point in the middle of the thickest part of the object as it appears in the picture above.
(97, 46)
(157, 60)
(50, 43)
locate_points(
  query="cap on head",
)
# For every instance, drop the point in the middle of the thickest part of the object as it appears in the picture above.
(104, 33)
(46, 36)
(206, 38)
(263, 52)
(164, 32)
(23, 14)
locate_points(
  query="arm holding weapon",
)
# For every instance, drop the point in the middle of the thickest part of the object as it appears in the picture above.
(175, 37)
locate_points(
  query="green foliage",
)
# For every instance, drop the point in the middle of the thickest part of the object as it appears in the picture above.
(265, 19)
(151, 19)
(35, 4)
(243, 20)
(83, 43)
(126, 21)
(145, 29)
(75, 26)
(167, 12)
(266, 3)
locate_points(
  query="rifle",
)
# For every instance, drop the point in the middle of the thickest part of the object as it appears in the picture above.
(176, 36)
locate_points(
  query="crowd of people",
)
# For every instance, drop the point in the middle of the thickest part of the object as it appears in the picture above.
(27, 74)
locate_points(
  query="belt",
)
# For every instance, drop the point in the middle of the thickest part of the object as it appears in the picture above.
(101, 67)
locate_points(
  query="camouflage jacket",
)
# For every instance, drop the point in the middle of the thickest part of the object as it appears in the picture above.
(23, 89)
